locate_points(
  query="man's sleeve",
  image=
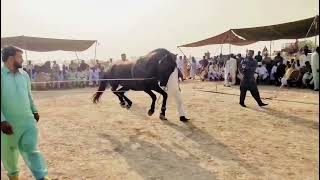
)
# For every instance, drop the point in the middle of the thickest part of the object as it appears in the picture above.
(32, 105)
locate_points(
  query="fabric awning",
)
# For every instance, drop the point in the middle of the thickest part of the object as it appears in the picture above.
(227, 37)
(46, 44)
(292, 30)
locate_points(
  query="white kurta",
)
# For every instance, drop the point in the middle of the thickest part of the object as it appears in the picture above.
(180, 64)
(174, 91)
(193, 69)
(230, 67)
(263, 72)
(273, 72)
(303, 59)
(315, 69)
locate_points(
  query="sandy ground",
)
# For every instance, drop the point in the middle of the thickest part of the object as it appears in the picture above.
(223, 141)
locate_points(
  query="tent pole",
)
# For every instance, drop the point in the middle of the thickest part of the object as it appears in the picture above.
(229, 48)
(221, 48)
(181, 51)
(26, 56)
(95, 52)
(315, 37)
(270, 49)
(77, 56)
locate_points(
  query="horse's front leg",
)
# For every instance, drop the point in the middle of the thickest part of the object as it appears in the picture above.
(153, 104)
(164, 102)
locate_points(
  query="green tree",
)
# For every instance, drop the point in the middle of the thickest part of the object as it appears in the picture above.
(309, 43)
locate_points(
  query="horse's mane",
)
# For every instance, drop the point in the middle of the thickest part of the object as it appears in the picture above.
(151, 56)
(155, 55)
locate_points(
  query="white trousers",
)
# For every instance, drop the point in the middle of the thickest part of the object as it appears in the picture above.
(174, 91)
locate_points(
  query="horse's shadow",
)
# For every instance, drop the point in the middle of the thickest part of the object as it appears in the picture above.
(293, 119)
(153, 161)
(213, 146)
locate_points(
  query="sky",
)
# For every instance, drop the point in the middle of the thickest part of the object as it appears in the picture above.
(140, 26)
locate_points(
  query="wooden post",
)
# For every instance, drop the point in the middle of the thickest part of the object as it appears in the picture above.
(270, 54)
(26, 56)
(315, 37)
(95, 51)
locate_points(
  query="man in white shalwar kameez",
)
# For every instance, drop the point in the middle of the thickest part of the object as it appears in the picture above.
(230, 68)
(175, 92)
(315, 68)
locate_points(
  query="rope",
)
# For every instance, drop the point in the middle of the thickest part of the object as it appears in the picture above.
(64, 91)
(314, 21)
(131, 79)
(262, 97)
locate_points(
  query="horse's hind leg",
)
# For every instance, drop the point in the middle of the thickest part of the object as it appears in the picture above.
(122, 102)
(154, 98)
(121, 93)
(127, 100)
(164, 102)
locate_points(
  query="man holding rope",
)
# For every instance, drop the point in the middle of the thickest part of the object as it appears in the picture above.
(19, 117)
(248, 82)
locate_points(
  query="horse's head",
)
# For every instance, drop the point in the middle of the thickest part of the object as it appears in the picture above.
(165, 67)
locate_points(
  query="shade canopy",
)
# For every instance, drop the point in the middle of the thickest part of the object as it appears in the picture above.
(46, 44)
(292, 30)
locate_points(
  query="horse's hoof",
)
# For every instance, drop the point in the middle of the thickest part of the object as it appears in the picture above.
(123, 105)
(128, 106)
(162, 117)
(150, 112)
(184, 119)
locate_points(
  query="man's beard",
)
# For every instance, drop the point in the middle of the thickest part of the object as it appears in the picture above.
(17, 65)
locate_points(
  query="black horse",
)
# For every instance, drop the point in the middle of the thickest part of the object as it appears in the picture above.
(155, 70)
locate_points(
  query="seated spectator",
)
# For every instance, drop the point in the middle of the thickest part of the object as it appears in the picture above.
(214, 73)
(290, 76)
(262, 72)
(72, 77)
(288, 65)
(273, 73)
(281, 70)
(307, 80)
(305, 74)
(94, 76)
(81, 77)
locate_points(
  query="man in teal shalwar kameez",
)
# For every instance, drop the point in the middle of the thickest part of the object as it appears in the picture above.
(19, 116)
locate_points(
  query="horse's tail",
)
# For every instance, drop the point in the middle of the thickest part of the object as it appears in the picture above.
(103, 85)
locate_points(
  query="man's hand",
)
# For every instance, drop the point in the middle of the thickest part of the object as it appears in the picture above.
(6, 128)
(36, 116)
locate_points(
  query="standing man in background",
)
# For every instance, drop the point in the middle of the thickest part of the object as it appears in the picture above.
(248, 82)
(19, 117)
(124, 57)
(315, 68)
